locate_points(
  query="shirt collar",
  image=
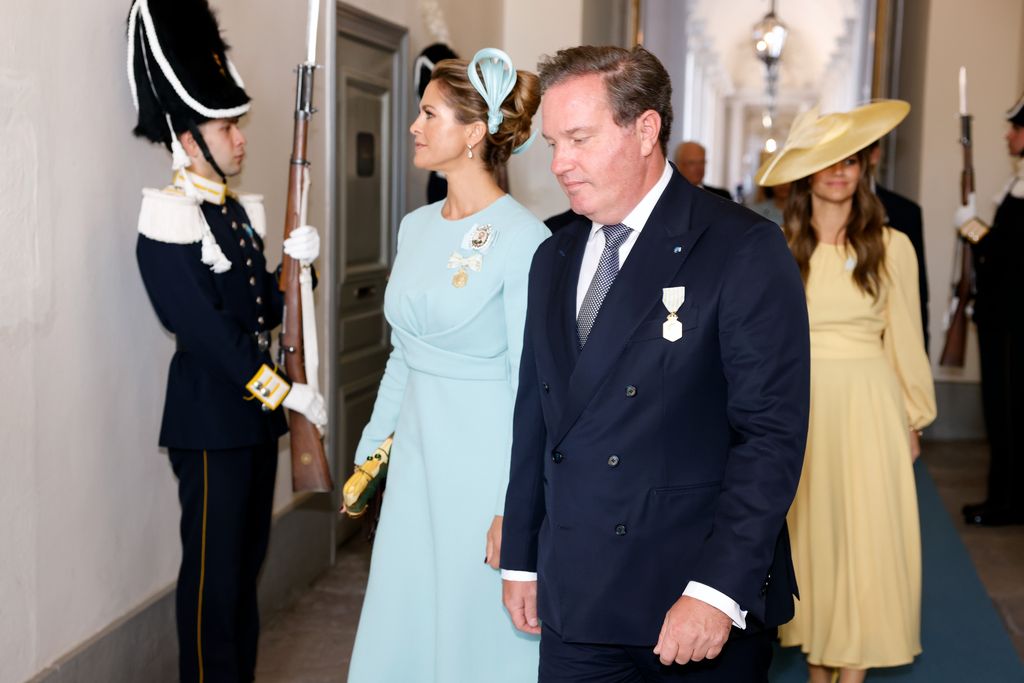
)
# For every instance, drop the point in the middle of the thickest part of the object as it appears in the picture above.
(637, 218)
(209, 190)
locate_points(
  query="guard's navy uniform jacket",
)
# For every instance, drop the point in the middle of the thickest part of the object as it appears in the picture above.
(218, 319)
(222, 440)
(997, 264)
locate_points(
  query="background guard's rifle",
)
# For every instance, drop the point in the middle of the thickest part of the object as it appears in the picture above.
(954, 349)
(310, 471)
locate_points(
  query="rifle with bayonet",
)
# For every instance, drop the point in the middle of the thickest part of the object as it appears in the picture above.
(970, 232)
(310, 471)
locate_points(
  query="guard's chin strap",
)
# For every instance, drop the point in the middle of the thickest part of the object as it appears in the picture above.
(198, 137)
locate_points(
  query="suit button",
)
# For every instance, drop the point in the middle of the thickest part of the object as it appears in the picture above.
(613, 461)
(248, 262)
(557, 457)
(241, 242)
(620, 530)
(260, 320)
(259, 300)
(630, 391)
(547, 389)
(252, 281)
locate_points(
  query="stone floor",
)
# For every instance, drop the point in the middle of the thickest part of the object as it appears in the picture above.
(310, 641)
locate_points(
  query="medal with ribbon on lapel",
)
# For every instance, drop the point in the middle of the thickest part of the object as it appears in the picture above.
(462, 263)
(672, 297)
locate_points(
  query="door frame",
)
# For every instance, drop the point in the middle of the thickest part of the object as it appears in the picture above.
(359, 25)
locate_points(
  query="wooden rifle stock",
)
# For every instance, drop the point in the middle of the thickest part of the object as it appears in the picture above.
(310, 471)
(955, 347)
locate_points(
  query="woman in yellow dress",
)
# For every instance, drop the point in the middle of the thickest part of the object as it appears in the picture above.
(854, 522)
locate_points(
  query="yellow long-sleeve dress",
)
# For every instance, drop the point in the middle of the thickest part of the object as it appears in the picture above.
(854, 522)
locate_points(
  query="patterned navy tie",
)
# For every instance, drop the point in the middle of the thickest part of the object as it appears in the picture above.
(607, 269)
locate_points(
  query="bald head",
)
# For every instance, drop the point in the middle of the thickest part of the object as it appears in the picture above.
(690, 160)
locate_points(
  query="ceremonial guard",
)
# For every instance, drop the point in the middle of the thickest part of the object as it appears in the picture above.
(998, 257)
(200, 252)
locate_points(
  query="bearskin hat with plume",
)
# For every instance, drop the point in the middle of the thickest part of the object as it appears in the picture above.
(178, 66)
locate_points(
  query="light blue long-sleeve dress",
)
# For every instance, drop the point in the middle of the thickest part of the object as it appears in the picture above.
(433, 611)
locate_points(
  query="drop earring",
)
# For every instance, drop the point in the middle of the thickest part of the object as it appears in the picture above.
(469, 151)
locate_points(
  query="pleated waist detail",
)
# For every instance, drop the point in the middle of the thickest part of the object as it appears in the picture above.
(432, 360)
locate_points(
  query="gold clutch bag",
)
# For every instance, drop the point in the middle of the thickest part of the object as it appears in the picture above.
(360, 488)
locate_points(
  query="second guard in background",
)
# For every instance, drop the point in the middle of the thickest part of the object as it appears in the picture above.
(998, 259)
(200, 253)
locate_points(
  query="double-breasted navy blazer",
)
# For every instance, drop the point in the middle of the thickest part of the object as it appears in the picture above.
(640, 464)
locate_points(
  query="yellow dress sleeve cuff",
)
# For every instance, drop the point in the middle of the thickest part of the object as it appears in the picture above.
(268, 387)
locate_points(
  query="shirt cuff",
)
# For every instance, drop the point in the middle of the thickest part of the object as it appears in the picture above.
(516, 575)
(718, 600)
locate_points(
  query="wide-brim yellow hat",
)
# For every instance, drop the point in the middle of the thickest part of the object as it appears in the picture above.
(816, 142)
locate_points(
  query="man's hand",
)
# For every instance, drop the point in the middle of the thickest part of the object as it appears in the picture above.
(520, 598)
(915, 445)
(492, 554)
(692, 631)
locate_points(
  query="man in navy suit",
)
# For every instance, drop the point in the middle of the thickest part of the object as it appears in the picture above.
(905, 215)
(662, 408)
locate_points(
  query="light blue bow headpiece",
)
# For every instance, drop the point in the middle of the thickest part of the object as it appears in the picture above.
(499, 77)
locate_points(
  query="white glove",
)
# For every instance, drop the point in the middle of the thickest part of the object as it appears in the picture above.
(304, 399)
(303, 244)
(965, 213)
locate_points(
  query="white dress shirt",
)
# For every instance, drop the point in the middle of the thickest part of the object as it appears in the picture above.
(636, 220)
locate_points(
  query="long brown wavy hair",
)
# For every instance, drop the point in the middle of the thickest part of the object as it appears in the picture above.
(863, 234)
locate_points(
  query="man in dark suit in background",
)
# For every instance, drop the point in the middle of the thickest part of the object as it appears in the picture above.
(691, 160)
(662, 408)
(905, 216)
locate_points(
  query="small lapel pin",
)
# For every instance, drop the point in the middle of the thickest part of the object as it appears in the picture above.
(677, 250)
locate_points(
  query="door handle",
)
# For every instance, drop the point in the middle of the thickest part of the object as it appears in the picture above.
(366, 291)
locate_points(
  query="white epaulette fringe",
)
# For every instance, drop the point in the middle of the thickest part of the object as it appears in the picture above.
(253, 205)
(166, 216)
(1016, 185)
(172, 218)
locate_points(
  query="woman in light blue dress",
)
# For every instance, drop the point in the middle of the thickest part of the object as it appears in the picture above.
(456, 302)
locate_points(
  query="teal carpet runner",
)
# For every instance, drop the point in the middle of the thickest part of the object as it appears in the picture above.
(963, 639)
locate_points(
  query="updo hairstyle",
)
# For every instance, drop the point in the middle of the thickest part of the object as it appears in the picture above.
(469, 106)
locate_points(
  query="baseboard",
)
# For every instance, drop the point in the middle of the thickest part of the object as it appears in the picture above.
(960, 415)
(142, 645)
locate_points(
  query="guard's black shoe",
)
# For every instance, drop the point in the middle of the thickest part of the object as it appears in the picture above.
(972, 508)
(994, 517)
